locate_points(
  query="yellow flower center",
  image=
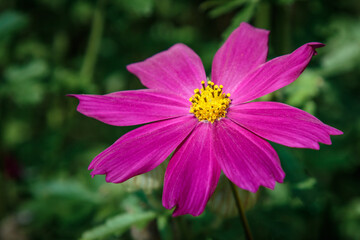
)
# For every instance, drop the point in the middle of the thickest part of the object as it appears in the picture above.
(209, 103)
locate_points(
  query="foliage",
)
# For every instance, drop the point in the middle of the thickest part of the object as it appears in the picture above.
(52, 48)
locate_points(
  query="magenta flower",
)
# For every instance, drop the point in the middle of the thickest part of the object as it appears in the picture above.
(211, 127)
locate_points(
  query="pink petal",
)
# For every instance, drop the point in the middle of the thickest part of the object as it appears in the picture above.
(274, 74)
(142, 149)
(246, 159)
(192, 174)
(177, 70)
(245, 49)
(282, 124)
(132, 107)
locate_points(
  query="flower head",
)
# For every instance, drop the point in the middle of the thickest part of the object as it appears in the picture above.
(212, 126)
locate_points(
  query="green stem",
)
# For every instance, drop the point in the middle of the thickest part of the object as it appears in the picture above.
(241, 211)
(92, 50)
(263, 15)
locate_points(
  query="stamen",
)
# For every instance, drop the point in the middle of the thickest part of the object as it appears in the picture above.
(209, 104)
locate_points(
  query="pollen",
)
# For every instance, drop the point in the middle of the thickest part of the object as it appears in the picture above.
(209, 103)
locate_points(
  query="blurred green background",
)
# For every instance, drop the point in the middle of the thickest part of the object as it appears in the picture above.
(50, 48)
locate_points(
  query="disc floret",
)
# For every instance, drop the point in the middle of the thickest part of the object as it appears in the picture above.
(209, 103)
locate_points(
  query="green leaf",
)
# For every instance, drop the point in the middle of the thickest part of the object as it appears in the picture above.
(25, 82)
(141, 8)
(295, 172)
(227, 7)
(35, 69)
(342, 53)
(209, 4)
(350, 219)
(308, 183)
(304, 89)
(118, 225)
(10, 22)
(15, 131)
(285, 2)
(243, 16)
(70, 189)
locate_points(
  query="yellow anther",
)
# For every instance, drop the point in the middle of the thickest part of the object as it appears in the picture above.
(209, 104)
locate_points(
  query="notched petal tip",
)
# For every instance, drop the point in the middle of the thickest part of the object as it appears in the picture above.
(315, 45)
(181, 210)
(252, 189)
(314, 146)
(132, 67)
(270, 184)
(281, 180)
(113, 179)
(76, 96)
(334, 131)
(171, 205)
(177, 212)
(338, 132)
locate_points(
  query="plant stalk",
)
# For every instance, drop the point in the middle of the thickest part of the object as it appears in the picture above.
(88, 66)
(241, 210)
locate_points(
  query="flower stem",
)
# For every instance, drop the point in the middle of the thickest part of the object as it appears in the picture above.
(93, 46)
(241, 211)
